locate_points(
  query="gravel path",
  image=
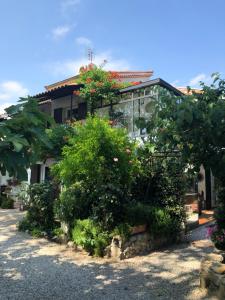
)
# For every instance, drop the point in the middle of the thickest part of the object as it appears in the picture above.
(37, 269)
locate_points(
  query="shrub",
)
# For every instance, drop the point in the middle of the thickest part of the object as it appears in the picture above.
(58, 232)
(6, 202)
(217, 233)
(36, 232)
(72, 204)
(23, 194)
(123, 230)
(160, 221)
(24, 225)
(160, 180)
(90, 236)
(218, 238)
(40, 213)
(139, 214)
(102, 160)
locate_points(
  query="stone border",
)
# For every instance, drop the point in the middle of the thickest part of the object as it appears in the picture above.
(212, 274)
(137, 244)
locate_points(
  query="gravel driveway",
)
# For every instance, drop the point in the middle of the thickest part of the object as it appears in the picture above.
(37, 269)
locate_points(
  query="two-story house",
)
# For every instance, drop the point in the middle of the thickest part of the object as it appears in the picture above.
(134, 103)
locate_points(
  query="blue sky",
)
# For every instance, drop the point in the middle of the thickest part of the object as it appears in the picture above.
(47, 40)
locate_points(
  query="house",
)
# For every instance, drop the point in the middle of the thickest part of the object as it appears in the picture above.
(135, 103)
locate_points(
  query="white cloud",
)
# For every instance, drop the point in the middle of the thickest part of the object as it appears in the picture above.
(194, 82)
(68, 5)
(60, 31)
(71, 67)
(83, 41)
(10, 91)
(175, 82)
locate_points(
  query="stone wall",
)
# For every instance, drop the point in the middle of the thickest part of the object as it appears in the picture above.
(137, 244)
(212, 274)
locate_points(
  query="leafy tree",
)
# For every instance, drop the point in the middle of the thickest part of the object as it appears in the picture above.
(194, 125)
(20, 135)
(58, 136)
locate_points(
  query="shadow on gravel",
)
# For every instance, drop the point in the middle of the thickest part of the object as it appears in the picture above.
(25, 274)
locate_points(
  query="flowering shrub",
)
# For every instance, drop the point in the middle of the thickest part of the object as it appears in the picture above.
(101, 160)
(99, 86)
(217, 236)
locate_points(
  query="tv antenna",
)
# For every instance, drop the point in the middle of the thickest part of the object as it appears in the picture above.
(90, 55)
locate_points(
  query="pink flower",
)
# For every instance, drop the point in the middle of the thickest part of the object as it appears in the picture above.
(210, 231)
(115, 159)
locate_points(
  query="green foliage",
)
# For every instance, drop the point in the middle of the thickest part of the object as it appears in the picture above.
(21, 134)
(36, 232)
(23, 194)
(99, 86)
(90, 236)
(195, 126)
(40, 207)
(158, 192)
(57, 232)
(58, 136)
(159, 180)
(160, 221)
(101, 159)
(165, 224)
(123, 230)
(72, 204)
(6, 202)
(139, 214)
(24, 225)
(218, 238)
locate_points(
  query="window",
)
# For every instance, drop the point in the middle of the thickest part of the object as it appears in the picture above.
(82, 111)
(74, 113)
(47, 174)
(78, 113)
(58, 115)
(123, 115)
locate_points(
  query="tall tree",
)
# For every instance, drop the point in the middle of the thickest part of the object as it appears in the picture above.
(195, 126)
(20, 134)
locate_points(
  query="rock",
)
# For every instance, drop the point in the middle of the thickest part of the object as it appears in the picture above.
(214, 278)
(220, 269)
(212, 274)
(221, 291)
(214, 257)
(204, 281)
(133, 238)
(107, 251)
(71, 244)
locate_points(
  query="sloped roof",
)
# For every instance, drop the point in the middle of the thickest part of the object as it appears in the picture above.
(157, 81)
(121, 74)
(186, 91)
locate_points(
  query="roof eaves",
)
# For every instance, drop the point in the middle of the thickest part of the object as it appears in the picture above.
(152, 82)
